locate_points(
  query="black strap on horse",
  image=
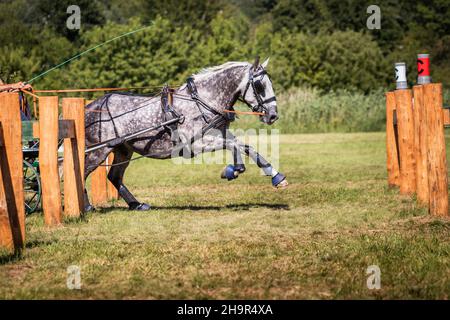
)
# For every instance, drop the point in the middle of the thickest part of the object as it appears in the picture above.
(169, 113)
(185, 149)
(199, 102)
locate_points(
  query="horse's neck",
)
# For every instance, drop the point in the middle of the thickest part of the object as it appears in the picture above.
(221, 88)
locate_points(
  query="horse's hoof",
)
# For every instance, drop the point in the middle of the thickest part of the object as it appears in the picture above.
(279, 181)
(139, 207)
(282, 184)
(239, 168)
(88, 208)
(229, 173)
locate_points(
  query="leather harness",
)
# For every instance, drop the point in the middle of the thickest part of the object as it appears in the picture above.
(218, 118)
(172, 118)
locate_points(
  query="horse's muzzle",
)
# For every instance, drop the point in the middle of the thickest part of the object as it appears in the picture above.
(270, 117)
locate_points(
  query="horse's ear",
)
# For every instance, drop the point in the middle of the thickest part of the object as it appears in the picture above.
(256, 63)
(265, 63)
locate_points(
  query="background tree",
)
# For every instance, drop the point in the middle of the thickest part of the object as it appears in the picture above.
(311, 42)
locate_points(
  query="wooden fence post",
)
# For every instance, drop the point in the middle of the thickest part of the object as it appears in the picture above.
(48, 160)
(446, 116)
(98, 186)
(102, 189)
(391, 142)
(73, 109)
(437, 159)
(405, 124)
(12, 208)
(420, 146)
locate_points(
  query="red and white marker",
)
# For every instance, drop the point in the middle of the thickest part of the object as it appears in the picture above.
(423, 68)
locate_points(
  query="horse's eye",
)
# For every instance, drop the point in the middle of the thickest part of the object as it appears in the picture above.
(259, 88)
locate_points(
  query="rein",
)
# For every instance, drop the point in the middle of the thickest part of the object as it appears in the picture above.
(97, 89)
(250, 113)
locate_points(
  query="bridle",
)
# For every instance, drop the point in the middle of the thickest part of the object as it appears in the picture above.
(258, 91)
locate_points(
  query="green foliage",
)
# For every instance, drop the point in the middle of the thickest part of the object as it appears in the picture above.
(341, 60)
(16, 64)
(302, 15)
(229, 36)
(120, 11)
(14, 32)
(151, 57)
(255, 9)
(195, 13)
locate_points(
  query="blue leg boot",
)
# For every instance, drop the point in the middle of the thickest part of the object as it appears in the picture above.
(229, 173)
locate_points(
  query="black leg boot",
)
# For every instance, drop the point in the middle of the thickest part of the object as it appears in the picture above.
(133, 204)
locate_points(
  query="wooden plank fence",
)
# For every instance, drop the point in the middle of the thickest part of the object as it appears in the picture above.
(418, 137)
(49, 130)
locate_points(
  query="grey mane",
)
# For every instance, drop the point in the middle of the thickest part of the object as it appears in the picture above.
(206, 72)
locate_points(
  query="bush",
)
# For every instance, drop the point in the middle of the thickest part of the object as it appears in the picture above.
(153, 56)
(341, 60)
(16, 64)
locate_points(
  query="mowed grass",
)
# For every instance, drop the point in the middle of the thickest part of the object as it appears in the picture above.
(211, 239)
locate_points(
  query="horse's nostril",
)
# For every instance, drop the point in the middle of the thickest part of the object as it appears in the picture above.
(273, 117)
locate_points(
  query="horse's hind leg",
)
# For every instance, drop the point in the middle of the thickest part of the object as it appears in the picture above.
(122, 156)
(92, 161)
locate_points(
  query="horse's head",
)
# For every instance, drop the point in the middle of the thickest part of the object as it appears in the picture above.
(258, 92)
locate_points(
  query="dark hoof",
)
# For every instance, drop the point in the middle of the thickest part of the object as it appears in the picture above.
(88, 208)
(139, 207)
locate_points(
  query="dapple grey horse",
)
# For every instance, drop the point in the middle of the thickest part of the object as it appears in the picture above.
(116, 115)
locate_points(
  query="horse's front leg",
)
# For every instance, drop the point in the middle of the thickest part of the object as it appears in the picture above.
(215, 141)
(231, 172)
(278, 179)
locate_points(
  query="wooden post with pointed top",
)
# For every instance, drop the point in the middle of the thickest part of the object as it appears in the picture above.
(437, 159)
(12, 208)
(393, 166)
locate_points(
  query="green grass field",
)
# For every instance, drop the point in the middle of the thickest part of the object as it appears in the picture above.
(211, 239)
